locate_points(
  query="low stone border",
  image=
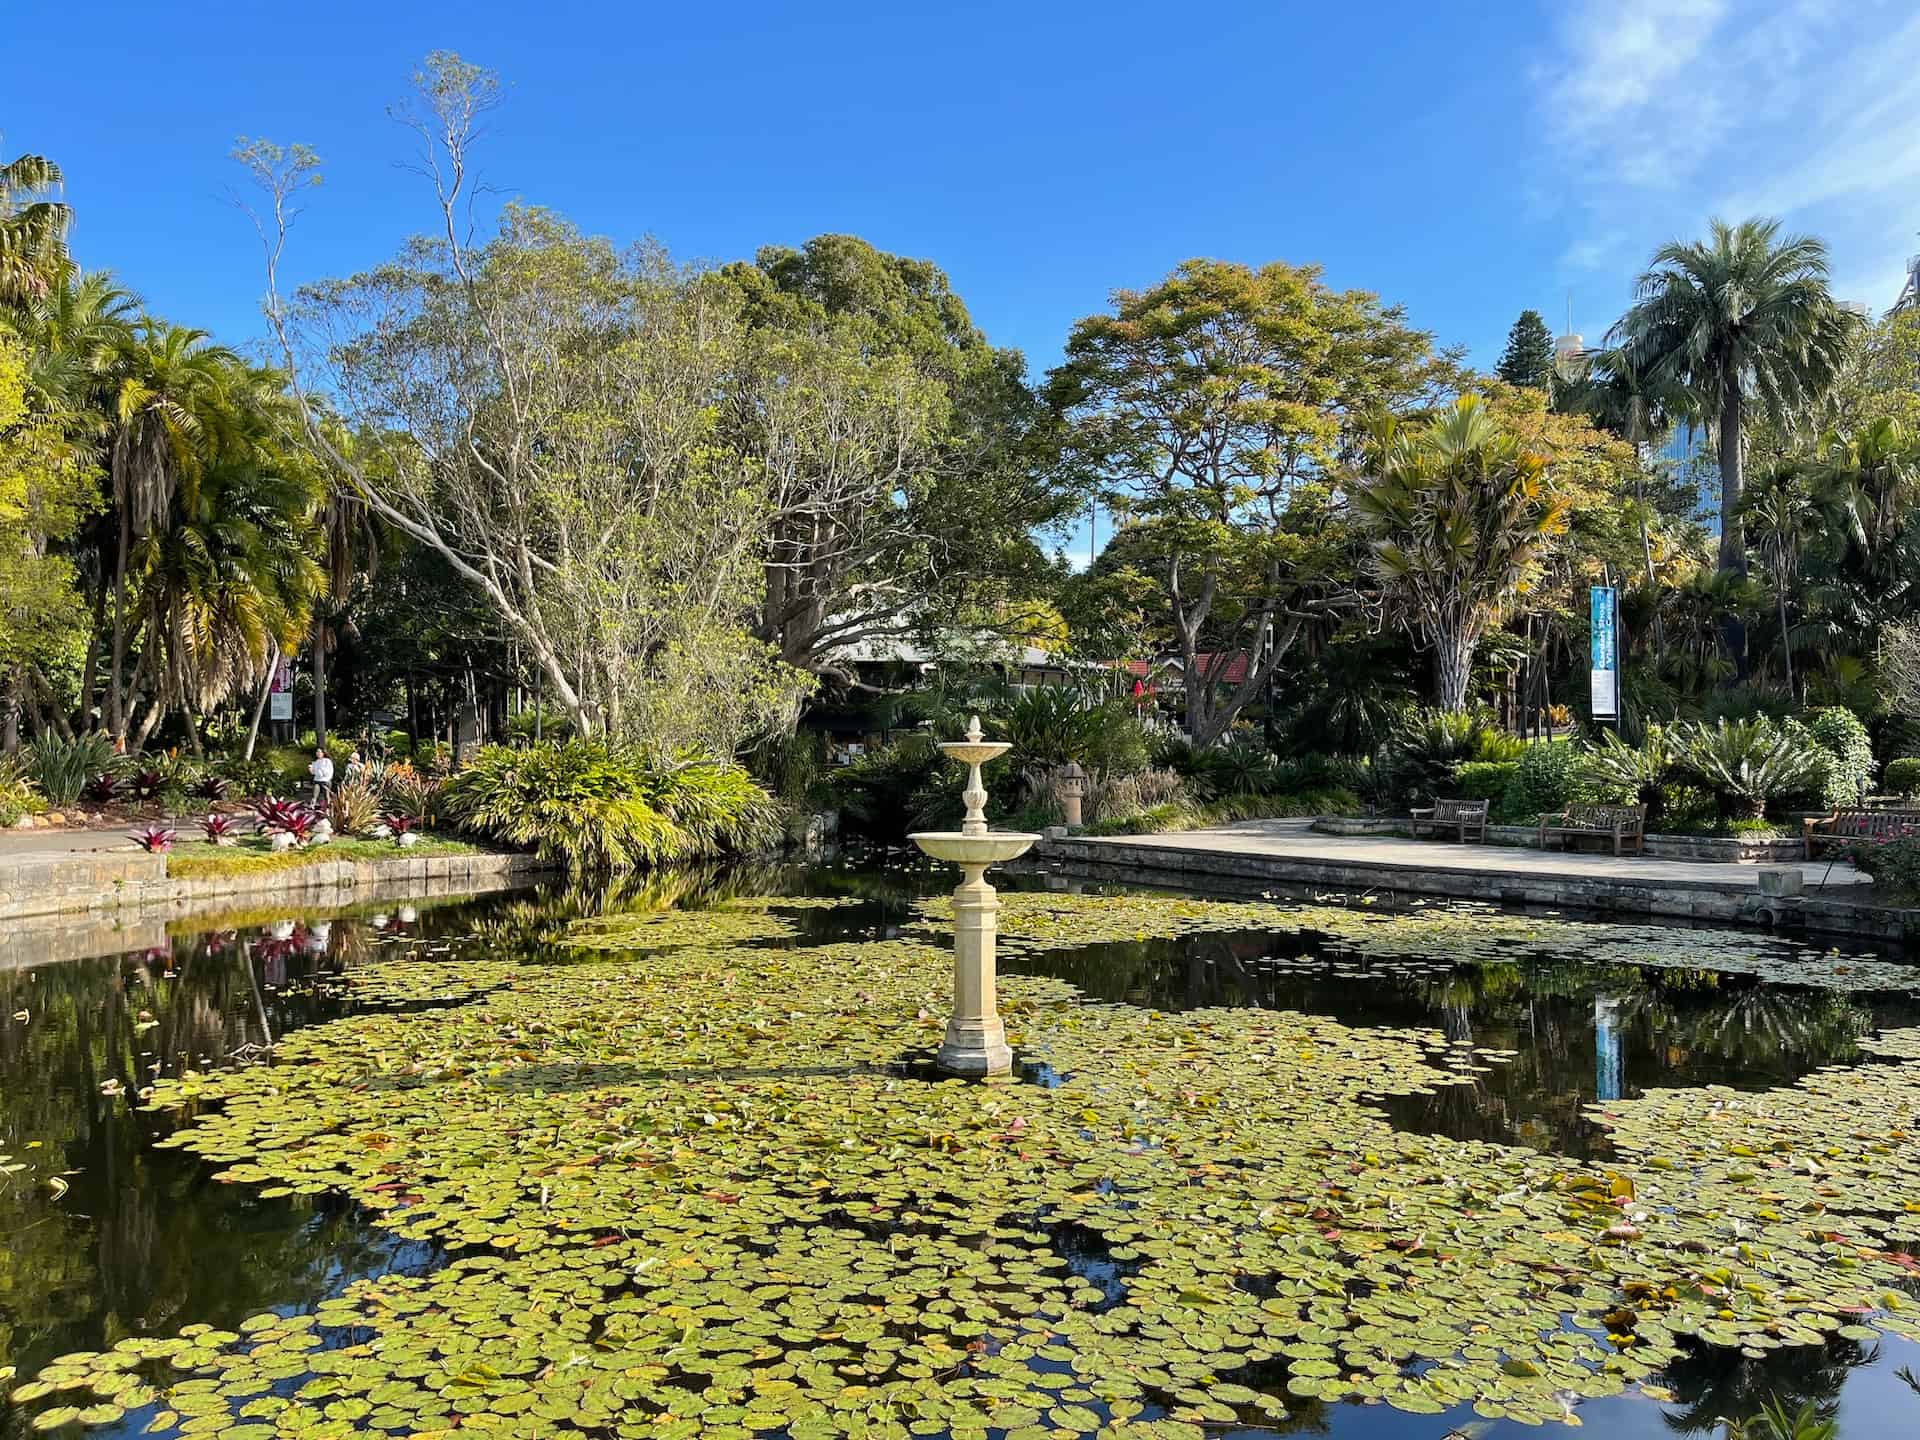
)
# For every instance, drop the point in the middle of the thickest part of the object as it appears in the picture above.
(1732, 901)
(111, 880)
(1716, 849)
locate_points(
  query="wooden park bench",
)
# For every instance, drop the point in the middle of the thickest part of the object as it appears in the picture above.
(1843, 827)
(1455, 816)
(1625, 825)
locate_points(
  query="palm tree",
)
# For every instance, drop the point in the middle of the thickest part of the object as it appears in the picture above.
(1743, 318)
(1784, 518)
(1459, 514)
(171, 381)
(33, 230)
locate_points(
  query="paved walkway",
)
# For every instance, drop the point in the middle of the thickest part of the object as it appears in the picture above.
(1285, 840)
(31, 844)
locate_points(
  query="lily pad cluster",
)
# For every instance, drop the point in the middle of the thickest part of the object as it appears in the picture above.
(712, 1189)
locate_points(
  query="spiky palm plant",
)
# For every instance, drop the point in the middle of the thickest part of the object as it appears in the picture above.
(1459, 514)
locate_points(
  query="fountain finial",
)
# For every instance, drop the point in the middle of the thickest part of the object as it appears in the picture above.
(974, 732)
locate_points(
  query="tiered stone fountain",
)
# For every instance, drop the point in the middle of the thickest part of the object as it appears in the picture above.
(976, 1041)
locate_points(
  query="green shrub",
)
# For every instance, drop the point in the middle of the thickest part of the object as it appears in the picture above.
(1115, 797)
(601, 807)
(256, 777)
(1242, 766)
(1746, 764)
(62, 767)
(1848, 769)
(1483, 780)
(792, 767)
(18, 798)
(1903, 776)
(1892, 861)
(1546, 778)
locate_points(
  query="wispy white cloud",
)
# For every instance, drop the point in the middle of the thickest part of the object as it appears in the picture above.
(1660, 113)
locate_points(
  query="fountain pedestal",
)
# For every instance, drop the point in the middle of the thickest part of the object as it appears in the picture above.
(976, 1041)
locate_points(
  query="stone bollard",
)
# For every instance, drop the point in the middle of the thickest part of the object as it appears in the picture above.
(1780, 882)
(1072, 785)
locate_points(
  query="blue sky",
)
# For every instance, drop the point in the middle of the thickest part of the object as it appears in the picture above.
(1466, 161)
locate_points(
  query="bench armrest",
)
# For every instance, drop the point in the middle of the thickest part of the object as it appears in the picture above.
(1421, 813)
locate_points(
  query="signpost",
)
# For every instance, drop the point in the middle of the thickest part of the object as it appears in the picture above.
(280, 697)
(1605, 602)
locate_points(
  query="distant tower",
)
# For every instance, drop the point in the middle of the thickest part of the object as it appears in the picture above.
(1910, 291)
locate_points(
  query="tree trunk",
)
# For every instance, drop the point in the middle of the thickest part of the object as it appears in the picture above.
(116, 694)
(156, 711)
(1733, 539)
(319, 681)
(1452, 672)
(1786, 641)
(260, 705)
(90, 665)
(10, 721)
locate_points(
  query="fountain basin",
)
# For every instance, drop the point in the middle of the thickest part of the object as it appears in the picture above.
(960, 849)
(975, 752)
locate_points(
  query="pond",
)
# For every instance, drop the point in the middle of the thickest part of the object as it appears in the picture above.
(674, 1162)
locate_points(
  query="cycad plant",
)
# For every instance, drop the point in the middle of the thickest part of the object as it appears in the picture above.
(1638, 775)
(1746, 763)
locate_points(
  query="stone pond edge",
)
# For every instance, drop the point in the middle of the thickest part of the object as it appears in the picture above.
(1730, 903)
(109, 880)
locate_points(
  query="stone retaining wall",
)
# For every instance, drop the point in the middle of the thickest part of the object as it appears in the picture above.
(117, 880)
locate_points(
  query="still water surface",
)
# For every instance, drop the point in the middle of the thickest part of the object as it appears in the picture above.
(143, 1242)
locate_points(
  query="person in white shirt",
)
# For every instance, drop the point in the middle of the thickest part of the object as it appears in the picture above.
(322, 771)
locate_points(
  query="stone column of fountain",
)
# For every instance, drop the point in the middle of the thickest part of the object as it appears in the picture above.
(976, 1041)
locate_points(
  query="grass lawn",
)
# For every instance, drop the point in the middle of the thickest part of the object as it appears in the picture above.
(197, 860)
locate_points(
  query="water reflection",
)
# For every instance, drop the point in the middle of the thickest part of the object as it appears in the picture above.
(1579, 1032)
(139, 1239)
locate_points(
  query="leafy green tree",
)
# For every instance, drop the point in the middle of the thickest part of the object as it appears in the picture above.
(47, 483)
(1214, 408)
(1528, 358)
(1782, 516)
(1460, 515)
(556, 419)
(224, 581)
(912, 480)
(1744, 323)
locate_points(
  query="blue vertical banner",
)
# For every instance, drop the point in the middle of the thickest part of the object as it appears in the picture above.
(1606, 652)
